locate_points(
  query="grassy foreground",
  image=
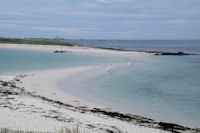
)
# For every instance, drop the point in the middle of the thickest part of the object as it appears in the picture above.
(63, 130)
(36, 41)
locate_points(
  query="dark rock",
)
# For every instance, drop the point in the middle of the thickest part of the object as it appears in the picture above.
(172, 127)
(121, 116)
(116, 49)
(172, 53)
(61, 51)
(13, 86)
(168, 53)
(17, 79)
(4, 83)
(109, 131)
(91, 126)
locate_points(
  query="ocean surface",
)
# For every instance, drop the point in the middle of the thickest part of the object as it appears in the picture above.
(20, 60)
(165, 88)
(188, 46)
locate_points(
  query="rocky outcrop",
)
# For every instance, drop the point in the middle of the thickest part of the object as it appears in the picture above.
(171, 53)
(61, 51)
(168, 53)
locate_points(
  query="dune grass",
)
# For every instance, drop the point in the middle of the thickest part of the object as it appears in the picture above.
(68, 130)
(63, 130)
(35, 41)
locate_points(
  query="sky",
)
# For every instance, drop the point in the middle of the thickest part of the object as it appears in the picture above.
(100, 19)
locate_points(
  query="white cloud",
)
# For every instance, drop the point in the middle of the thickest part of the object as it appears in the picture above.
(14, 13)
(2, 25)
(109, 1)
(183, 21)
(69, 31)
(7, 21)
(106, 18)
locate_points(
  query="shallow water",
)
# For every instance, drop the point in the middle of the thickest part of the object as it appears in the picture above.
(20, 60)
(165, 88)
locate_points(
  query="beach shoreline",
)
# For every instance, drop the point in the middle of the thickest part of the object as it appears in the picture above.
(36, 94)
(71, 49)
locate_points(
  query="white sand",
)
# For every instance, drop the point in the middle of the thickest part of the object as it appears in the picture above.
(46, 83)
(75, 49)
(32, 113)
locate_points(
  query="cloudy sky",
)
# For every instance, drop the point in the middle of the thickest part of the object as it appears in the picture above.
(101, 19)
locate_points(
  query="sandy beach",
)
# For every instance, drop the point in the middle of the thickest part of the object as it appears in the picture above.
(33, 101)
(75, 49)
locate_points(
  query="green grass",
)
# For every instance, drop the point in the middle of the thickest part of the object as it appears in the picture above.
(36, 41)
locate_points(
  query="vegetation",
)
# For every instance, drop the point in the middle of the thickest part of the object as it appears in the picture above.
(67, 130)
(35, 41)
(63, 130)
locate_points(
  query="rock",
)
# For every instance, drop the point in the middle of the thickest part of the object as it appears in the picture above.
(172, 53)
(61, 51)
(172, 127)
(4, 83)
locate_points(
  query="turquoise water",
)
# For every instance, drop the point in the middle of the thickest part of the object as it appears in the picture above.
(165, 88)
(19, 60)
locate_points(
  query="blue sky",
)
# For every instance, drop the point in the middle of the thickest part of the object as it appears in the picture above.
(101, 19)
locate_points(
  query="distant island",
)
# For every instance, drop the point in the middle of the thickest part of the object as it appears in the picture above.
(36, 41)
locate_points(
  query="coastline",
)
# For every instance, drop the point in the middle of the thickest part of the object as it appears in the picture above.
(56, 109)
(74, 49)
(49, 106)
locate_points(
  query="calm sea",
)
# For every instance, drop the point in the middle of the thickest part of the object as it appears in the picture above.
(190, 46)
(165, 88)
(20, 60)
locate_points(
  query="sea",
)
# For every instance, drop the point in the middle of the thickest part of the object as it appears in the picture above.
(164, 88)
(188, 46)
